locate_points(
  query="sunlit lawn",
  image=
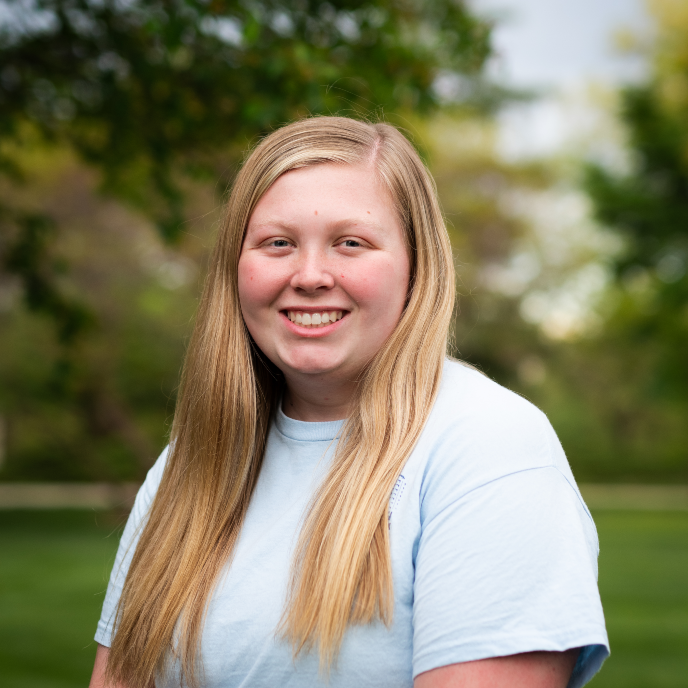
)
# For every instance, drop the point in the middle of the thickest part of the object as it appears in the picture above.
(53, 574)
(644, 586)
(54, 568)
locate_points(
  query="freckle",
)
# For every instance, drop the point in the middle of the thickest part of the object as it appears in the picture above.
(316, 212)
(368, 212)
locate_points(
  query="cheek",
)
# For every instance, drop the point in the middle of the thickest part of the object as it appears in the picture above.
(256, 287)
(382, 287)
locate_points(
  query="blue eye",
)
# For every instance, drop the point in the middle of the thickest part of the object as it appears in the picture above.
(351, 243)
(280, 243)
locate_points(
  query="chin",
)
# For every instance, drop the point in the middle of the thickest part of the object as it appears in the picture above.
(312, 365)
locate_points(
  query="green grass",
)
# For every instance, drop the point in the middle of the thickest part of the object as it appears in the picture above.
(54, 568)
(644, 588)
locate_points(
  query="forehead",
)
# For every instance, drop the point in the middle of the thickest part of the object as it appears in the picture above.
(327, 190)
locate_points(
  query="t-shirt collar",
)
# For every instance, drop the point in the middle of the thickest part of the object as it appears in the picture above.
(307, 432)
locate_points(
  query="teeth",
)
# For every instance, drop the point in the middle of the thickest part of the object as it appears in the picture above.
(314, 319)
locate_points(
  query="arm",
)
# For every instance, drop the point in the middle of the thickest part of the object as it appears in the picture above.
(98, 675)
(125, 552)
(528, 670)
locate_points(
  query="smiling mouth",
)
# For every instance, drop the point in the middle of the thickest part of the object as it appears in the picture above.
(314, 320)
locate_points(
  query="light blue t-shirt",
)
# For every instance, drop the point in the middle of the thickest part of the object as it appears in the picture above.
(493, 551)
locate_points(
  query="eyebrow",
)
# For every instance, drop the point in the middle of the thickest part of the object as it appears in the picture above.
(338, 225)
(272, 223)
(350, 222)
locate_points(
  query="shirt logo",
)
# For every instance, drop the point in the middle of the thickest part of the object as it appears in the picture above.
(395, 497)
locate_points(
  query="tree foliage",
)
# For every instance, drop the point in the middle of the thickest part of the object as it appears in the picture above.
(645, 337)
(153, 96)
(649, 205)
(137, 87)
(147, 90)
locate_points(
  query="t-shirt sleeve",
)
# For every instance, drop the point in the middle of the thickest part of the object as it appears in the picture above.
(509, 567)
(125, 552)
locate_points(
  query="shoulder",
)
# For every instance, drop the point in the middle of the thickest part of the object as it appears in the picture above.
(130, 537)
(465, 392)
(154, 475)
(149, 489)
(479, 431)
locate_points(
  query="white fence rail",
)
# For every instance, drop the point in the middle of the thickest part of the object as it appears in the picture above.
(121, 496)
(67, 495)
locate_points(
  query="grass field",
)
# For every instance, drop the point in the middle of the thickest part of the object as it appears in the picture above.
(644, 587)
(54, 568)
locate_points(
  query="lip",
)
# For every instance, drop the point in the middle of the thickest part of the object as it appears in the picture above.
(312, 332)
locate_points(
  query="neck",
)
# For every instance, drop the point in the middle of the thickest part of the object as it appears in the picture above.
(315, 402)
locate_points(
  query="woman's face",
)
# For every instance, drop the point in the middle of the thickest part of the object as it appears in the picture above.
(324, 271)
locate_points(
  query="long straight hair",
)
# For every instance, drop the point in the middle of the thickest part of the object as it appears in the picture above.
(341, 571)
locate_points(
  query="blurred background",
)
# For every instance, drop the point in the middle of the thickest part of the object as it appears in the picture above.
(558, 136)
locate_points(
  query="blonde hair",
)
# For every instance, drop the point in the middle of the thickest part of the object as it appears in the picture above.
(341, 571)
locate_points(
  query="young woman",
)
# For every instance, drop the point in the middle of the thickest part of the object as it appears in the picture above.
(340, 503)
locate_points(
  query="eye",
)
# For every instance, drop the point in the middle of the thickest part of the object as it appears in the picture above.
(351, 243)
(279, 243)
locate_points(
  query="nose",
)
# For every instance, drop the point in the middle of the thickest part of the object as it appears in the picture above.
(312, 273)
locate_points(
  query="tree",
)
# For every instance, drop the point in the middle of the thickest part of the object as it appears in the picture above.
(137, 87)
(148, 90)
(154, 95)
(645, 338)
(649, 206)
